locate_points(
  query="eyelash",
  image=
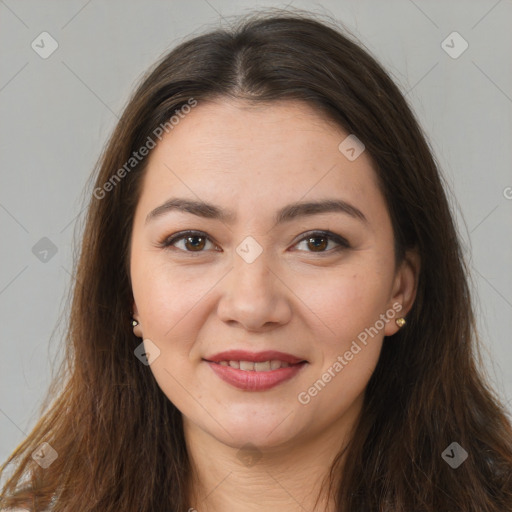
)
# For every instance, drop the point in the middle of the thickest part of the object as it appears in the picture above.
(167, 242)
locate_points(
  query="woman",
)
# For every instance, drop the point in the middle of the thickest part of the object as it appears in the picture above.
(271, 308)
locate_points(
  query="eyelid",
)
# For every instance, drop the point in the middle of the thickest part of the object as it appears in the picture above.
(167, 241)
(342, 243)
(330, 235)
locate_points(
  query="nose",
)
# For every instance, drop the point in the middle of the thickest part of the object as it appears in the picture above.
(254, 295)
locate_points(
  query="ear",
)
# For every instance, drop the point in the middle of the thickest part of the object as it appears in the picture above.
(405, 286)
(137, 330)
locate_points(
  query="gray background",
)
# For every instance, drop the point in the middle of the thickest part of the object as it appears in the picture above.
(57, 113)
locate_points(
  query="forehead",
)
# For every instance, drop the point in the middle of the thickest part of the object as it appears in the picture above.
(289, 129)
(254, 156)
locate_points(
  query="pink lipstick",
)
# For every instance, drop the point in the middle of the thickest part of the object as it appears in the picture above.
(255, 371)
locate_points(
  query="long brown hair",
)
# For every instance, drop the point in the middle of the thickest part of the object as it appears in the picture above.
(120, 441)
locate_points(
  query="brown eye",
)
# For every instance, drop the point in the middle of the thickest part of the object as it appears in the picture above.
(192, 241)
(317, 242)
(195, 242)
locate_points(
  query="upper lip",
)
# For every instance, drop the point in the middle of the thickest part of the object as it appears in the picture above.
(257, 357)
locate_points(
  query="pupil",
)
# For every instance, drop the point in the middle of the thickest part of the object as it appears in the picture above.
(317, 245)
(196, 245)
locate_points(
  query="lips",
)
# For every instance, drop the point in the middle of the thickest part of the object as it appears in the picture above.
(254, 357)
(255, 371)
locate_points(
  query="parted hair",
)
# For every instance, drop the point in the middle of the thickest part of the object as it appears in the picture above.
(120, 441)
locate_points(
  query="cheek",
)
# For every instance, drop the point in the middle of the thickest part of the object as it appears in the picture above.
(170, 302)
(167, 295)
(349, 342)
(346, 303)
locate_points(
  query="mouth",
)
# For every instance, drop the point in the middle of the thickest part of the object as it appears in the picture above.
(255, 371)
(251, 366)
(265, 361)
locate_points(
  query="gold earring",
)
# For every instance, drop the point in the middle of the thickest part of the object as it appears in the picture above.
(400, 322)
(134, 322)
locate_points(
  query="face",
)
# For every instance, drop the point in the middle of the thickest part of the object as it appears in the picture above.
(303, 299)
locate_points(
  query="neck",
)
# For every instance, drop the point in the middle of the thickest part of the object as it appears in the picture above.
(289, 477)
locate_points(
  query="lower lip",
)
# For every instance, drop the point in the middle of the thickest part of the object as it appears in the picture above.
(255, 381)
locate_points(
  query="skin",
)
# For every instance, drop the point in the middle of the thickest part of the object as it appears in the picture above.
(192, 304)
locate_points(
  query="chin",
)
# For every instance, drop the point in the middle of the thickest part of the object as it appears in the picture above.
(262, 432)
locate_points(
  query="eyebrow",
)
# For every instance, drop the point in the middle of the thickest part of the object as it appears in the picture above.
(285, 214)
